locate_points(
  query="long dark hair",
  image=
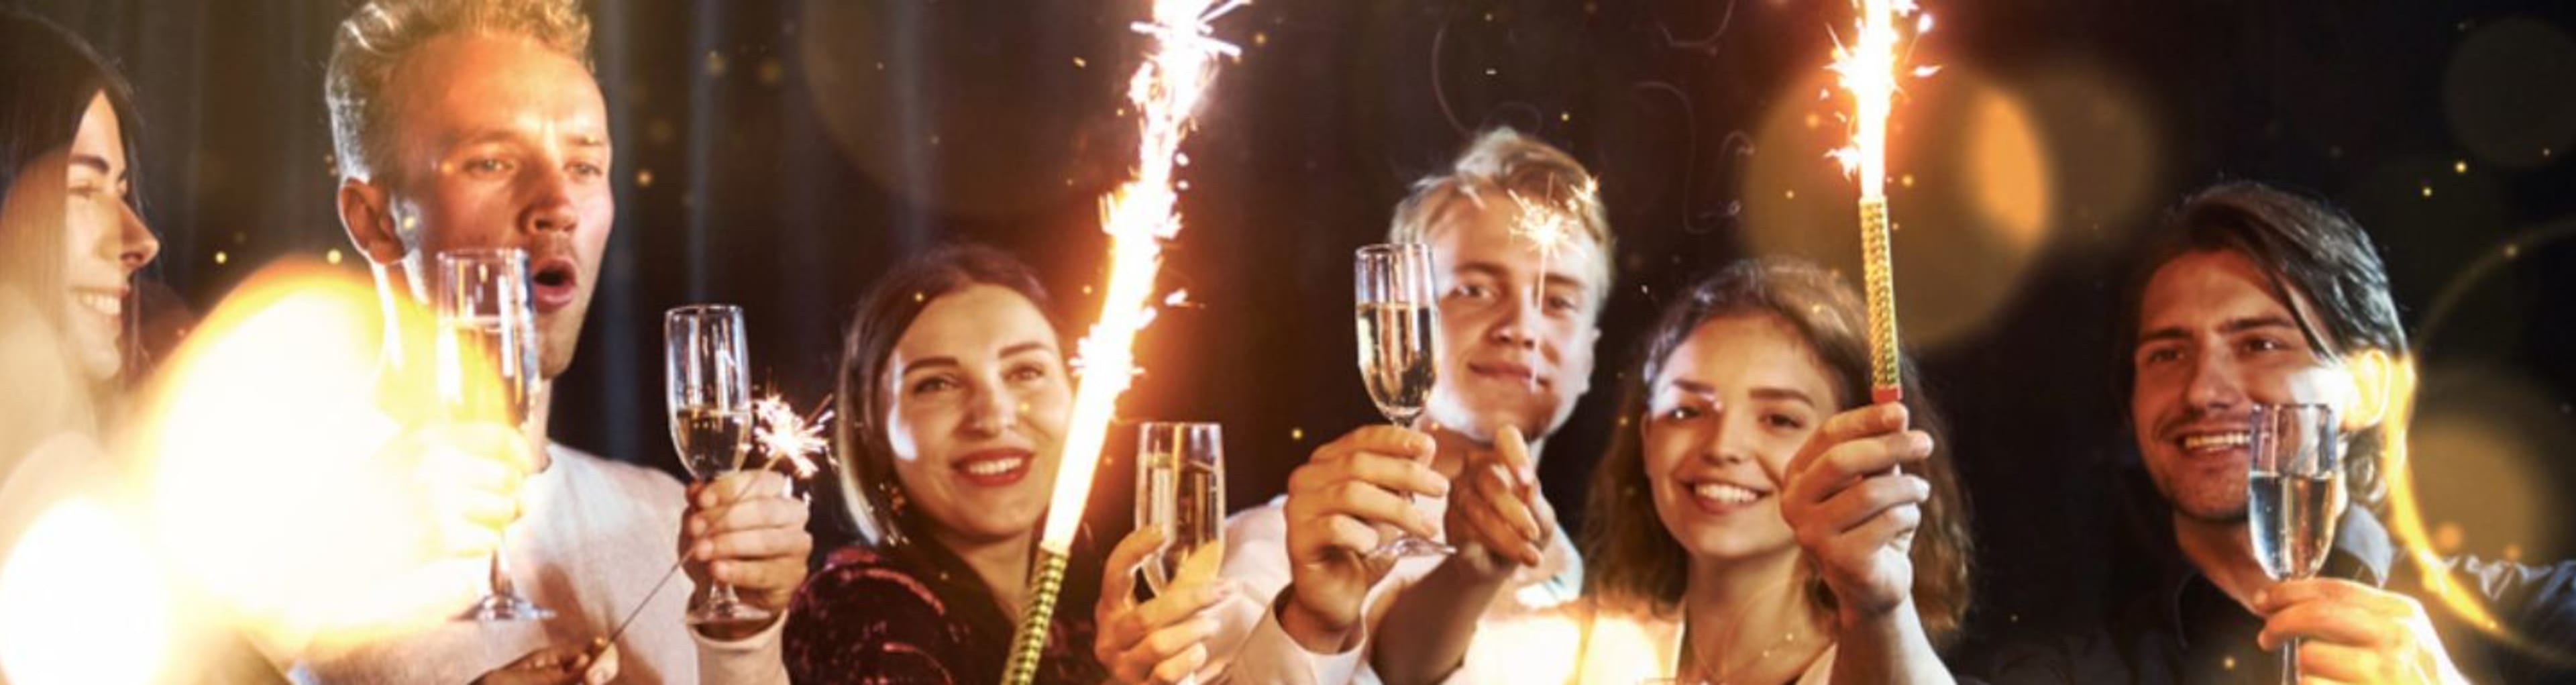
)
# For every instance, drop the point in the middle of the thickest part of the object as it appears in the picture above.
(48, 76)
(874, 500)
(1631, 560)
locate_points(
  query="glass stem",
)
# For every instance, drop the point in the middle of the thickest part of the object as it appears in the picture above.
(500, 571)
(2290, 662)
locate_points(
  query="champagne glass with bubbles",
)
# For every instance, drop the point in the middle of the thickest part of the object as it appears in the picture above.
(1399, 326)
(487, 371)
(707, 377)
(1180, 490)
(2294, 494)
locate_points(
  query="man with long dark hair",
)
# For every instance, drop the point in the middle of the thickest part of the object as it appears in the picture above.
(2248, 295)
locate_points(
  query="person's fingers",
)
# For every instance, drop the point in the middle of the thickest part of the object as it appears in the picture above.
(752, 543)
(1402, 443)
(1546, 514)
(1846, 426)
(1881, 531)
(1396, 473)
(1339, 533)
(1513, 449)
(1174, 638)
(1373, 504)
(1482, 528)
(603, 664)
(1863, 457)
(1507, 503)
(2288, 592)
(2330, 621)
(2328, 662)
(1118, 576)
(1857, 504)
(1179, 667)
(737, 486)
(1181, 603)
(752, 514)
(767, 575)
(482, 508)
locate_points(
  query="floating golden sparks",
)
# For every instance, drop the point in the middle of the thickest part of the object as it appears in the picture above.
(1138, 216)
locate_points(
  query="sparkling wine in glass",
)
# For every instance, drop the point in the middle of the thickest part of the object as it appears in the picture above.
(2294, 494)
(487, 371)
(1180, 490)
(706, 373)
(1399, 325)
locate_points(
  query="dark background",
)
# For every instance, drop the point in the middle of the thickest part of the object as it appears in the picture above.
(779, 155)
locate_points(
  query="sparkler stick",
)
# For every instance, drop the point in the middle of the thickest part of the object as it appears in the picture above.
(1868, 68)
(1138, 217)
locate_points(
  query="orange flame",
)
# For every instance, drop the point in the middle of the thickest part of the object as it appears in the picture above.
(1138, 216)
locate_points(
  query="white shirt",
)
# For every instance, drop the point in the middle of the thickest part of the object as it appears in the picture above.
(1576, 644)
(1250, 647)
(594, 537)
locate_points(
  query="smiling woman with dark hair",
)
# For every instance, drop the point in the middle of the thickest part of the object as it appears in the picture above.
(70, 233)
(954, 394)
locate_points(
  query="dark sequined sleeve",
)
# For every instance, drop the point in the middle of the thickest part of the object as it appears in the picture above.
(861, 621)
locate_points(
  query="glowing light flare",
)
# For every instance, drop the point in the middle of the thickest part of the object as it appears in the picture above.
(1589, 646)
(2406, 512)
(81, 601)
(1138, 216)
(261, 487)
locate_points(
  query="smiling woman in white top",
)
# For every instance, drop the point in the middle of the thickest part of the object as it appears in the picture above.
(1762, 524)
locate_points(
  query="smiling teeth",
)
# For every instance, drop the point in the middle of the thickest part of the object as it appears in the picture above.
(995, 467)
(1722, 493)
(2216, 440)
(104, 304)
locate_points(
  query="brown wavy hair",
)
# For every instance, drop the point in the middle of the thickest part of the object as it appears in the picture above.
(1631, 560)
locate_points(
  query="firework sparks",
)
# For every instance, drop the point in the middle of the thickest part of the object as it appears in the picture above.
(1166, 93)
(1867, 68)
(1551, 225)
(787, 435)
(1138, 217)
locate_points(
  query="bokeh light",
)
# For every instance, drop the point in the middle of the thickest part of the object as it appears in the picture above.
(2510, 92)
(1990, 173)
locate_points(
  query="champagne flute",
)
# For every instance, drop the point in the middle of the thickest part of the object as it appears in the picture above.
(1399, 326)
(487, 369)
(1180, 490)
(707, 381)
(2295, 493)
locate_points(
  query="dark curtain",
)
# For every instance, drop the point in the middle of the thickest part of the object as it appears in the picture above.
(779, 154)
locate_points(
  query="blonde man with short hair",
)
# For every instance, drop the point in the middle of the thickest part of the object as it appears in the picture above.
(1521, 253)
(478, 124)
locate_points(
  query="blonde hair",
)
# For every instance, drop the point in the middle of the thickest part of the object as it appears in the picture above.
(378, 37)
(1502, 163)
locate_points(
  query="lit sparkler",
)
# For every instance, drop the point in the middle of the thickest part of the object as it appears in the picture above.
(1166, 92)
(787, 437)
(1868, 70)
(791, 437)
(1550, 224)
